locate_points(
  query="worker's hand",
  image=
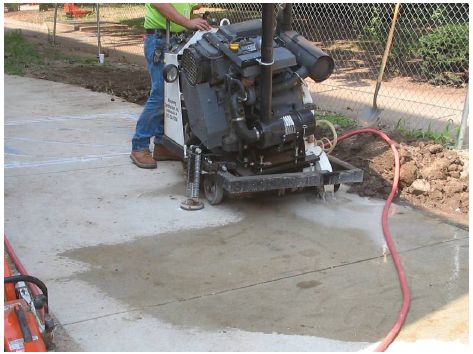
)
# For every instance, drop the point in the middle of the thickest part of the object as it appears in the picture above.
(199, 24)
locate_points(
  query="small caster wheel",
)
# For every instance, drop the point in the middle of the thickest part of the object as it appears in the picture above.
(213, 191)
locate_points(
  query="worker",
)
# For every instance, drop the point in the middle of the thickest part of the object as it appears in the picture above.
(151, 121)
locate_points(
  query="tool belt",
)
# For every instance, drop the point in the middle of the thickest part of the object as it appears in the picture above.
(160, 32)
(180, 37)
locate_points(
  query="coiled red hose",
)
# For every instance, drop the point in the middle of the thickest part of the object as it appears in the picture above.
(387, 340)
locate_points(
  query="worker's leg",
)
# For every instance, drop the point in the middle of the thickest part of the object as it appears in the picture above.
(151, 121)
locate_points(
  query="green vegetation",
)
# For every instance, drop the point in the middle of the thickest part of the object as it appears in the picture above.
(430, 42)
(19, 54)
(444, 54)
(376, 32)
(338, 119)
(443, 137)
(13, 6)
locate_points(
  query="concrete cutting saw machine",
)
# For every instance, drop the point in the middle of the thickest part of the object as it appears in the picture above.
(240, 114)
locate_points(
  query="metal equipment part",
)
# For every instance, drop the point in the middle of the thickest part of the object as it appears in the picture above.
(241, 98)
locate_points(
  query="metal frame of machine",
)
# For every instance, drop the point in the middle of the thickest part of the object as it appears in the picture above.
(28, 325)
(202, 102)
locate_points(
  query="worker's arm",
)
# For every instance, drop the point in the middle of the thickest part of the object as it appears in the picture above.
(168, 11)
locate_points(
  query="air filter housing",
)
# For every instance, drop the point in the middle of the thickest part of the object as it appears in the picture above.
(319, 64)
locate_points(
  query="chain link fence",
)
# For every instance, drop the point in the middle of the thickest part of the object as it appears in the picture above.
(426, 77)
(425, 81)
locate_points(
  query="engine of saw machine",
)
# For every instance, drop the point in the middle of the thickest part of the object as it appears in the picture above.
(238, 110)
(243, 108)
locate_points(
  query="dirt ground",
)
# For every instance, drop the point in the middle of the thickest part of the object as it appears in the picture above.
(433, 178)
(127, 82)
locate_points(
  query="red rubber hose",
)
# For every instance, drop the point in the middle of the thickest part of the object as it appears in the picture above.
(387, 340)
(21, 269)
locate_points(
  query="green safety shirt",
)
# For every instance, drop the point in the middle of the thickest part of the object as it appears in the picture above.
(154, 19)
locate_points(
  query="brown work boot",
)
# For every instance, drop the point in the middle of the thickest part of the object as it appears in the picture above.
(160, 153)
(143, 159)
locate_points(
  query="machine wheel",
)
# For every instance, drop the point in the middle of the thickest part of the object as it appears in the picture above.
(213, 191)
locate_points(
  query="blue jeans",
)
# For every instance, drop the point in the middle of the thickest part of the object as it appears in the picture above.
(151, 121)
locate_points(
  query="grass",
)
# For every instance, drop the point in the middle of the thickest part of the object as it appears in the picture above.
(338, 119)
(443, 137)
(18, 53)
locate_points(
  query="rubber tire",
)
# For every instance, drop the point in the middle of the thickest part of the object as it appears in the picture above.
(213, 192)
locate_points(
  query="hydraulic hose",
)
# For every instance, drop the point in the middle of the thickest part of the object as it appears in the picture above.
(387, 340)
(332, 143)
(249, 136)
(13, 279)
(22, 270)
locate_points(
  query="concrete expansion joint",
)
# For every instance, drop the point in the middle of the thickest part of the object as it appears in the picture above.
(225, 291)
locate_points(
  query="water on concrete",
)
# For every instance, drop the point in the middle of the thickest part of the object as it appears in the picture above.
(275, 272)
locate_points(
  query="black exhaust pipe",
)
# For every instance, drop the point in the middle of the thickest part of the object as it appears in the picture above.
(267, 62)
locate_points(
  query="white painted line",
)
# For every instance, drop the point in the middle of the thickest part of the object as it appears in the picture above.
(120, 115)
(67, 160)
(13, 154)
(58, 142)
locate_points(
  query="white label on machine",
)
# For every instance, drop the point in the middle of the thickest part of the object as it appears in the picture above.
(172, 109)
(17, 345)
(173, 128)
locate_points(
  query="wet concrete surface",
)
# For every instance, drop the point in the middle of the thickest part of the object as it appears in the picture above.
(275, 272)
(127, 270)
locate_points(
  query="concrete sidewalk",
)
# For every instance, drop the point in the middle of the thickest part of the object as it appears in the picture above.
(127, 270)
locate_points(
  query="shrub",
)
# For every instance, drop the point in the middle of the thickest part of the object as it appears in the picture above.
(405, 39)
(12, 7)
(444, 54)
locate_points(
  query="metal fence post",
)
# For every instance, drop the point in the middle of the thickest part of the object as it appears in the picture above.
(99, 44)
(464, 121)
(55, 21)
